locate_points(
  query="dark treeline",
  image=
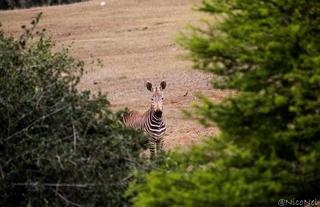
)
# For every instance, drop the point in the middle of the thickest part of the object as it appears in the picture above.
(12, 4)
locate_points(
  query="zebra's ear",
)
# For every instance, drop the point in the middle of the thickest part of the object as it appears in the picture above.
(163, 85)
(149, 86)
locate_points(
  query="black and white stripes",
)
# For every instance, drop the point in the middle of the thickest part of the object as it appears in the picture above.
(151, 121)
(154, 125)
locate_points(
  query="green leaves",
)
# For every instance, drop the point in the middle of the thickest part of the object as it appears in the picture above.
(58, 146)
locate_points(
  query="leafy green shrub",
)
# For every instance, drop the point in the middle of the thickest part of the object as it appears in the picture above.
(269, 143)
(58, 146)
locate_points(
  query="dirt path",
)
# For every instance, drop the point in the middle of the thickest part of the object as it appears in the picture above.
(134, 39)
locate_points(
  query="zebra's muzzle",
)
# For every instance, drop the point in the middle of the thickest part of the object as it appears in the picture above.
(158, 113)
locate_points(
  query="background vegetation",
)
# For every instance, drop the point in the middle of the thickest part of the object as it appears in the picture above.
(58, 146)
(12, 4)
(268, 147)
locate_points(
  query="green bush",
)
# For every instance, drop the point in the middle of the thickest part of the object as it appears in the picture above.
(58, 146)
(268, 148)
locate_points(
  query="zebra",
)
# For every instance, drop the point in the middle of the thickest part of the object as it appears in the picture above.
(150, 121)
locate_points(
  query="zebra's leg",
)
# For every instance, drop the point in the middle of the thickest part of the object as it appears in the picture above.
(157, 146)
(161, 143)
(152, 145)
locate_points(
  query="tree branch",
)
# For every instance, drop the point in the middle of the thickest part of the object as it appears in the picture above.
(30, 125)
(55, 185)
(66, 200)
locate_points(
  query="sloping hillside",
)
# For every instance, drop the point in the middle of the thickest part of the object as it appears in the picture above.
(134, 39)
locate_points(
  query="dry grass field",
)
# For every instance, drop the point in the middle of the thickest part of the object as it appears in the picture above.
(134, 39)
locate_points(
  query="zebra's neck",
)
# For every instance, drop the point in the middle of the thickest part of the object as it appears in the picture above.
(155, 118)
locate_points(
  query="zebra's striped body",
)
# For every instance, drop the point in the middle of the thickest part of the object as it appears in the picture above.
(151, 124)
(152, 120)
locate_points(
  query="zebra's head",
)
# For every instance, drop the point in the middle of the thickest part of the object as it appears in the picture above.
(157, 97)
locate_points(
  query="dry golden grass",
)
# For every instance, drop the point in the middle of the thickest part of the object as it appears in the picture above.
(134, 38)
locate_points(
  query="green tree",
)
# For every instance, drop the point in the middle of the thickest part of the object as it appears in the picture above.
(268, 148)
(58, 146)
